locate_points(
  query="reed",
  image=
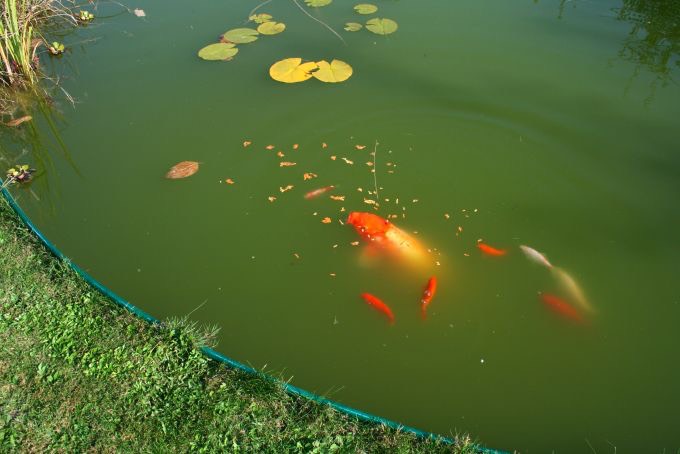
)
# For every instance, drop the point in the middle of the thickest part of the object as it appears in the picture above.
(20, 37)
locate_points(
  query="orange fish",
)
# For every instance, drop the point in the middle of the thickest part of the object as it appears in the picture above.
(428, 294)
(379, 305)
(318, 192)
(561, 307)
(489, 250)
(382, 233)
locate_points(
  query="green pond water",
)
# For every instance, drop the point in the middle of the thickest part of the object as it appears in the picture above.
(554, 125)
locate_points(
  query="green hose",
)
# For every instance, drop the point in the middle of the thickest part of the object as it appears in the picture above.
(209, 352)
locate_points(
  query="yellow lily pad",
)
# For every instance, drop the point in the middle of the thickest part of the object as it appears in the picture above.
(318, 3)
(365, 8)
(271, 28)
(218, 51)
(336, 71)
(260, 18)
(382, 26)
(240, 35)
(292, 70)
(353, 26)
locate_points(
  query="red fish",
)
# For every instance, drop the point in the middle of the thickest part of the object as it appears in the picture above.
(561, 307)
(428, 294)
(489, 250)
(386, 235)
(379, 305)
(318, 192)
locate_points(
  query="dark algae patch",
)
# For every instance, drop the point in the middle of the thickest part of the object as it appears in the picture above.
(79, 373)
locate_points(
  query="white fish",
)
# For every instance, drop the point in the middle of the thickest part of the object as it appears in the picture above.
(536, 256)
(572, 288)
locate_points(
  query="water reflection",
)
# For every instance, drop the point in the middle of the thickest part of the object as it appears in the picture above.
(36, 143)
(654, 39)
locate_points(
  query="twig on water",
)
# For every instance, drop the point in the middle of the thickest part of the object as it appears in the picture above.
(320, 21)
(255, 9)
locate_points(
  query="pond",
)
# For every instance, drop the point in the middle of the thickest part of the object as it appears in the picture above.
(552, 125)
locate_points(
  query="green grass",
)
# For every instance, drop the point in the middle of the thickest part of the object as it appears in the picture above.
(79, 373)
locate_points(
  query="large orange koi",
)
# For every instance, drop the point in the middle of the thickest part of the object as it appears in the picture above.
(378, 304)
(383, 233)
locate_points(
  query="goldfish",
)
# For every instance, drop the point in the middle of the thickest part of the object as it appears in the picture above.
(488, 250)
(378, 304)
(535, 256)
(561, 307)
(318, 192)
(428, 294)
(382, 233)
(572, 288)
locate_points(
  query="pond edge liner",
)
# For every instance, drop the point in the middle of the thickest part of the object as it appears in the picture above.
(217, 356)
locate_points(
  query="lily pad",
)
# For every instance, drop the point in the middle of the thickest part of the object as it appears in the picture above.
(240, 35)
(260, 18)
(218, 51)
(382, 26)
(292, 70)
(318, 3)
(353, 26)
(271, 28)
(365, 8)
(336, 71)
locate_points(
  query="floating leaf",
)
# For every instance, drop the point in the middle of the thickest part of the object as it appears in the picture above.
(246, 143)
(229, 181)
(348, 161)
(318, 3)
(260, 18)
(359, 147)
(295, 146)
(382, 26)
(240, 35)
(271, 198)
(365, 8)
(340, 198)
(286, 189)
(336, 71)
(287, 164)
(269, 147)
(353, 26)
(139, 12)
(309, 176)
(218, 51)
(182, 170)
(326, 220)
(271, 28)
(292, 70)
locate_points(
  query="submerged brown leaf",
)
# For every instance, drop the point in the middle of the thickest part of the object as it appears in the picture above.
(182, 170)
(17, 121)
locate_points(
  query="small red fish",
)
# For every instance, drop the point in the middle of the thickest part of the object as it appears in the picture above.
(489, 250)
(428, 294)
(379, 305)
(318, 192)
(561, 307)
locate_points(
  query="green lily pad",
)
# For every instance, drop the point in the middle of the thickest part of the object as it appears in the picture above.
(365, 8)
(353, 26)
(382, 26)
(260, 18)
(271, 28)
(240, 35)
(218, 51)
(318, 3)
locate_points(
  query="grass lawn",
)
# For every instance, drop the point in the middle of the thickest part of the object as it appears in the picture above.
(79, 373)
